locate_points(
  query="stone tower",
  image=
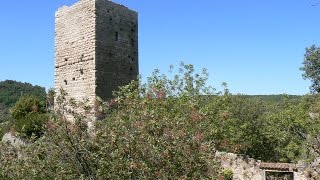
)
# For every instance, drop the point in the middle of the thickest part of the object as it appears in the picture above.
(96, 48)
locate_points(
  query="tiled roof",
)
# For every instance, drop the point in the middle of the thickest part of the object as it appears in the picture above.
(278, 166)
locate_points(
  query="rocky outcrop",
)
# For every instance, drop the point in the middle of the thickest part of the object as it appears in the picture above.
(12, 139)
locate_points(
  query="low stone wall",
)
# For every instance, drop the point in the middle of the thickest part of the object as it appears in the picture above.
(242, 166)
(246, 168)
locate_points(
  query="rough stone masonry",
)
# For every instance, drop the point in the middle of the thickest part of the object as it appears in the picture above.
(96, 49)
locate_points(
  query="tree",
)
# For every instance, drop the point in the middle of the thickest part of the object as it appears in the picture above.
(151, 131)
(166, 128)
(311, 67)
(12, 91)
(29, 116)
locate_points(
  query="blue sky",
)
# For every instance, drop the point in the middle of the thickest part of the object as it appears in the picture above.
(255, 46)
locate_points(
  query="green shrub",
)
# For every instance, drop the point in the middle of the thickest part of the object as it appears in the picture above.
(31, 124)
(29, 116)
(163, 129)
(227, 174)
(147, 135)
(27, 104)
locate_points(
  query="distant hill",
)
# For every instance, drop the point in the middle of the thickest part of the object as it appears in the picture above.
(11, 91)
(275, 98)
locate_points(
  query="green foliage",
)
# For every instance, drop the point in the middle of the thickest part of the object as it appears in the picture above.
(311, 67)
(288, 129)
(50, 97)
(4, 113)
(157, 130)
(275, 133)
(29, 116)
(11, 92)
(227, 174)
(152, 131)
(26, 105)
(166, 128)
(31, 125)
(274, 99)
(242, 130)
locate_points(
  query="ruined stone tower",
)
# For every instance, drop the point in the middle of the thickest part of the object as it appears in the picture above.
(96, 48)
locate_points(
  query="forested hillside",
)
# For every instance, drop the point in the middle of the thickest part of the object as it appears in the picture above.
(275, 98)
(11, 91)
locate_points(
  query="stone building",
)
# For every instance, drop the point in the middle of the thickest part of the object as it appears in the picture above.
(96, 48)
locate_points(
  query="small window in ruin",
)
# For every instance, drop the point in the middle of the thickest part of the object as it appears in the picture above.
(81, 71)
(117, 36)
(131, 69)
(132, 30)
(65, 59)
(73, 79)
(65, 82)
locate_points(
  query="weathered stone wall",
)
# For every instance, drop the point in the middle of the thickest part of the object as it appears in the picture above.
(96, 48)
(245, 168)
(242, 167)
(116, 47)
(75, 50)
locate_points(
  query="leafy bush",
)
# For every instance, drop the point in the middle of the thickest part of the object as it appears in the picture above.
(162, 129)
(26, 105)
(241, 126)
(31, 124)
(252, 127)
(12, 91)
(227, 174)
(29, 116)
(156, 130)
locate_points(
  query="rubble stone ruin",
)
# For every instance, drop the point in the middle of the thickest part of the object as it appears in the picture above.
(96, 48)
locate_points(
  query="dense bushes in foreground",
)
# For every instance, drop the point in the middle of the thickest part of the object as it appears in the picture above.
(164, 129)
(151, 131)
